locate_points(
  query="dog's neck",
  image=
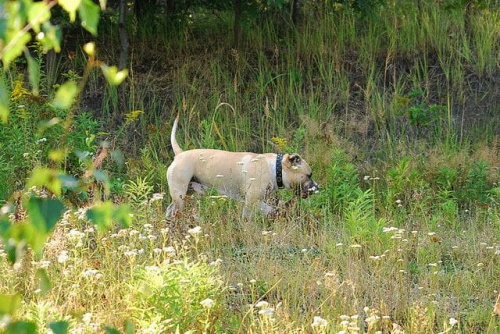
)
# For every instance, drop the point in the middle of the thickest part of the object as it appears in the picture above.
(279, 171)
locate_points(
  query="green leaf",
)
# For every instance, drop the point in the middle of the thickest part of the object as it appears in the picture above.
(14, 239)
(68, 182)
(104, 214)
(113, 76)
(129, 327)
(89, 15)
(4, 101)
(44, 213)
(38, 13)
(122, 215)
(65, 95)
(70, 6)
(102, 3)
(5, 225)
(44, 280)
(9, 304)
(45, 177)
(15, 47)
(111, 330)
(118, 157)
(13, 251)
(101, 215)
(33, 71)
(21, 234)
(21, 327)
(51, 38)
(101, 176)
(59, 327)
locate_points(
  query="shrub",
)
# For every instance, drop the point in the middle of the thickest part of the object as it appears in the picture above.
(178, 295)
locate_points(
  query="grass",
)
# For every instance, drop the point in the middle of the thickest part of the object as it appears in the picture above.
(413, 270)
(398, 117)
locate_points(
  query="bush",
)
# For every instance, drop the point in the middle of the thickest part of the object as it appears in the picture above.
(178, 295)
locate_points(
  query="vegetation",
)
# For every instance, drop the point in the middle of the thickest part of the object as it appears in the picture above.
(395, 105)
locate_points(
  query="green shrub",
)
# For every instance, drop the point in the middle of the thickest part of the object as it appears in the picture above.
(476, 185)
(179, 295)
(342, 185)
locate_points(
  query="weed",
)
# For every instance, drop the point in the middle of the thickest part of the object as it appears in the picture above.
(174, 296)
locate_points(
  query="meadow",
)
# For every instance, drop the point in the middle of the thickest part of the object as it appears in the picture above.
(398, 115)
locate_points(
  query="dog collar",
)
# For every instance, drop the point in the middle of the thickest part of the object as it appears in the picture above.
(279, 171)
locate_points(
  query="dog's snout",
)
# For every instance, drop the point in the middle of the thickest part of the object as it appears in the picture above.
(314, 188)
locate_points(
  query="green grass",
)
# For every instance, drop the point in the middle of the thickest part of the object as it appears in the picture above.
(398, 116)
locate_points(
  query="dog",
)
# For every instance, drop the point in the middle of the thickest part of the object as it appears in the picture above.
(246, 176)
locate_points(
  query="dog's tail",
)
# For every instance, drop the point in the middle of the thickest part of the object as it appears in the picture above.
(177, 149)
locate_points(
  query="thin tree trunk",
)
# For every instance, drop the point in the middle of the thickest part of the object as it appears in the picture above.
(122, 30)
(296, 12)
(237, 22)
(122, 63)
(171, 8)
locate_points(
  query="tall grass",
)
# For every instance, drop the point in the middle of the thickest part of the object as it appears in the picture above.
(398, 116)
(333, 64)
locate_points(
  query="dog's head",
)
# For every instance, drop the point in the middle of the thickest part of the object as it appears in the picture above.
(298, 175)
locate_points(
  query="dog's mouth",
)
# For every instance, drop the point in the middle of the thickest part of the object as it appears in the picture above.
(305, 192)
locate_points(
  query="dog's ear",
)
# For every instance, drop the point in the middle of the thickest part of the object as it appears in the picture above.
(292, 159)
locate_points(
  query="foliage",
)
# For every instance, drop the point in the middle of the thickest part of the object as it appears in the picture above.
(342, 182)
(403, 235)
(188, 294)
(42, 203)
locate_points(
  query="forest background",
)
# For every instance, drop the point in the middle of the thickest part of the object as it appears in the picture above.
(395, 105)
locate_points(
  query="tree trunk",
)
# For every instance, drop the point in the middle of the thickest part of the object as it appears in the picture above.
(141, 7)
(296, 12)
(122, 31)
(170, 8)
(122, 63)
(238, 9)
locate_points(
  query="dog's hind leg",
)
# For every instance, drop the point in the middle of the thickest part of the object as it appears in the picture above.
(178, 184)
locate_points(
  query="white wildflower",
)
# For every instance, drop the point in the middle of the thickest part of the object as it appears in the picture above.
(319, 322)
(157, 197)
(44, 264)
(152, 268)
(90, 272)
(169, 250)
(63, 257)
(131, 253)
(87, 317)
(207, 303)
(195, 230)
(262, 304)
(268, 311)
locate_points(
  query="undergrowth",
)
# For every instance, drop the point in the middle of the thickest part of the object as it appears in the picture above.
(398, 116)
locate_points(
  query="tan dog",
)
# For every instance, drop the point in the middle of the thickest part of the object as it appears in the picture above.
(239, 175)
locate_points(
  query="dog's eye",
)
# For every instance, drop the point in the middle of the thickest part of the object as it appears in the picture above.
(310, 175)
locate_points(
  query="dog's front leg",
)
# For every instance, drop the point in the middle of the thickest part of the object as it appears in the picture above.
(267, 209)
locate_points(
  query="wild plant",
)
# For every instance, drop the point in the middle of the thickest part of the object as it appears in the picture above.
(342, 186)
(176, 295)
(476, 186)
(361, 224)
(138, 194)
